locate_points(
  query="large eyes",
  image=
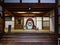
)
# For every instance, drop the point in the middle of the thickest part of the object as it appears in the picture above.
(29, 23)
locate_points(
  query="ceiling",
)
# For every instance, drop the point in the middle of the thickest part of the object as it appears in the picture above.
(27, 9)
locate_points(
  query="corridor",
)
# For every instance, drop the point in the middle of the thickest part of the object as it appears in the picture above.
(29, 22)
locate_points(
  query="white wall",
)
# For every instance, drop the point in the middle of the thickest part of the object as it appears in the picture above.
(7, 23)
(52, 22)
(39, 23)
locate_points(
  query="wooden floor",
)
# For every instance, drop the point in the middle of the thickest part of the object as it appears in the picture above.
(27, 39)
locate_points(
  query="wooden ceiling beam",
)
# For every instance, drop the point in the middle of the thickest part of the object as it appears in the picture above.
(33, 5)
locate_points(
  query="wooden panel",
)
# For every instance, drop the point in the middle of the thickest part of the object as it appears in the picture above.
(1, 24)
(0, 2)
(46, 28)
(29, 5)
(19, 23)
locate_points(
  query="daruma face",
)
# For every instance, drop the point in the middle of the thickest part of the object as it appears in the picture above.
(29, 25)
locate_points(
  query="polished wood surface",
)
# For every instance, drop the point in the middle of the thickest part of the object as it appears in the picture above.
(28, 39)
(1, 22)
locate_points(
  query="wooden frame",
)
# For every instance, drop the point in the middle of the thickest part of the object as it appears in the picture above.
(34, 6)
(18, 22)
(8, 18)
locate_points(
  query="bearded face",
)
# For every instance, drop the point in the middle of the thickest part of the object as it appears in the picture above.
(29, 25)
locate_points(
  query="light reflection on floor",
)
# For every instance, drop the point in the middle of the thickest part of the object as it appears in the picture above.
(28, 31)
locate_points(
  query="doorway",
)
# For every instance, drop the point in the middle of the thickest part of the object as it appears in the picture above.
(31, 22)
